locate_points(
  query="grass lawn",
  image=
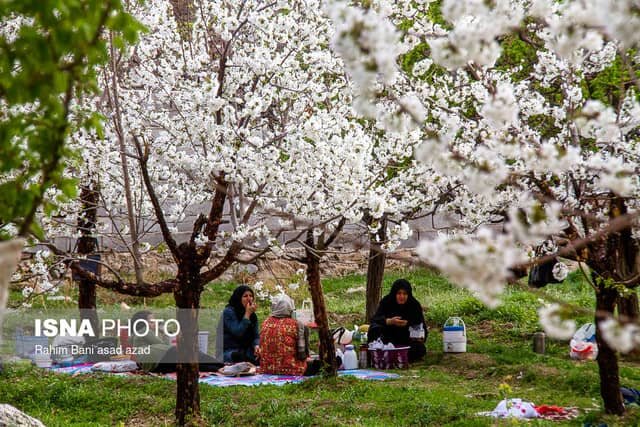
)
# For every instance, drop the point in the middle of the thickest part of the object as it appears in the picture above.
(445, 389)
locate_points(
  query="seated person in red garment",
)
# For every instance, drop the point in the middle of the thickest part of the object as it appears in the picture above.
(284, 342)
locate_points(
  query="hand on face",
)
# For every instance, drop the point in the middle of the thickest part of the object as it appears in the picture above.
(249, 306)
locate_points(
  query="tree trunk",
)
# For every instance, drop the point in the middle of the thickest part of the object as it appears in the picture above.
(88, 245)
(628, 310)
(607, 357)
(187, 299)
(121, 133)
(187, 369)
(375, 269)
(9, 257)
(326, 348)
(628, 313)
(623, 253)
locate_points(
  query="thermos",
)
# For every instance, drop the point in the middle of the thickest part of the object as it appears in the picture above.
(364, 356)
(538, 342)
(350, 360)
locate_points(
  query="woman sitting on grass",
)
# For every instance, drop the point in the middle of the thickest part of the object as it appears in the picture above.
(155, 355)
(284, 342)
(240, 327)
(398, 311)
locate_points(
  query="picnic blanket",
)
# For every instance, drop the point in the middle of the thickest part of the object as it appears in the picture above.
(213, 379)
(85, 368)
(260, 379)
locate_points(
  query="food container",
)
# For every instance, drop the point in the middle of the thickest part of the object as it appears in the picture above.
(393, 358)
(454, 336)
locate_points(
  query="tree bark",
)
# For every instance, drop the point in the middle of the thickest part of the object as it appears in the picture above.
(628, 310)
(628, 313)
(607, 357)
(375, 268)
(326, 348)
(88, 245)
(187, 298)
(121, 133)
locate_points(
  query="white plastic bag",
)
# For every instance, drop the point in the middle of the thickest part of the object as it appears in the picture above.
(583, 350)
(416, 331)
(586, 332)
(516, 408)
(305, 312)
(583, 344)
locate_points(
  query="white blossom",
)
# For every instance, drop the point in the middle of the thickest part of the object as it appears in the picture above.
(554, 325)
(622, 338)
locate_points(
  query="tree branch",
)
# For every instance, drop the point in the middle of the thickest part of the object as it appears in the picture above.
(121, 287)
(166, 234)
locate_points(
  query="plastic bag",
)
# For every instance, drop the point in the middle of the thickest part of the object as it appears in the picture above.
(583, 350)
(583, 344)
(376, 345)
(305, 313)
(342, 336)
(416, 331)
(517, 408)
(586, 332)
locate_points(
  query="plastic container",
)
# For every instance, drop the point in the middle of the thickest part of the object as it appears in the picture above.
(380, 359)
(454, 336)
(203, 341)
(350, 360)
(395, 358)
(400, 357)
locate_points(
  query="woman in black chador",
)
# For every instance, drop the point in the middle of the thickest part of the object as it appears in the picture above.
(397, 313)
(240, 327)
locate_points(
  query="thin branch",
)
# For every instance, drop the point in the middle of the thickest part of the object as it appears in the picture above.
(572, 248)
(335, 233)
(166, 234)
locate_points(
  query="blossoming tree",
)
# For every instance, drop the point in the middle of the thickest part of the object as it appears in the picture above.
(533, 107)
(242, 115)
(49, 52)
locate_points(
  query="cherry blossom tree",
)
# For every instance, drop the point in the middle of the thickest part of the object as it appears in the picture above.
(49, 53)
(532, 106)
(242, 115)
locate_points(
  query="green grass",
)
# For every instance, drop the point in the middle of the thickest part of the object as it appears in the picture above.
(445, 389)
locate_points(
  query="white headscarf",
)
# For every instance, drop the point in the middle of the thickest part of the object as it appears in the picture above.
(282, 306)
